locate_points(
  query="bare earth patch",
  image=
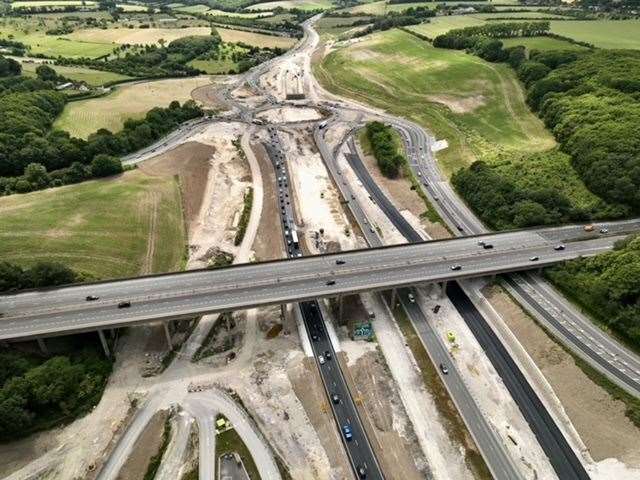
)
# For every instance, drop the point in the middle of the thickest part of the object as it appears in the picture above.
(147, 446)
(190, 161)
(599, 419)
(458, 104)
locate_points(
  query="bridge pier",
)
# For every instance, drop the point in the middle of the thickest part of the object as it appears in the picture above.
(167, 334)
(340, 308)
(43, 346)
(105, 345)
(443, 289)
(394, 297)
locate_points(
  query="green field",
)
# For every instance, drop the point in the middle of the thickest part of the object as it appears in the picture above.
(380, 8)
(79, 74)
(601, 33)
(440, 25)
(289, 4)
(541, 43)
(52, 3)
(134, 100)
(214, 67)
(108, 228)
(333, 27)
(33, 34)
(478, 107)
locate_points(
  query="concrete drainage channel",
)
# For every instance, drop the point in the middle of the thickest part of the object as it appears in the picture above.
(354, 438)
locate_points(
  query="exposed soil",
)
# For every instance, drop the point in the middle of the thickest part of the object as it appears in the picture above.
(147, 445)
(459, 104)
(599, 419)
(206, 95)
(309, 390)
(268, 242)
(190, 161)
(378, 404)
(400, 191)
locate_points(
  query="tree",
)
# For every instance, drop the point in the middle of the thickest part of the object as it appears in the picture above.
(47, 274)
(36, 174)
(104, 165)
(9, 67)
(46, 73)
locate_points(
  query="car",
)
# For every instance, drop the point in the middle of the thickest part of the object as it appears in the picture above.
(340, 262)
(481, 243)
(327, 355)
(444, 369)
(314, 337)
(362, 472)
(331, 282)
(372, 230)
(419, 174)
(487, 246)
(535, 258)
(436, 309)
(588, 228)
(456, 267)
(353, 197)
(559, 247)
(411, 298)
(347, 432)
(125, 304)
(335, 398)
(91, 298)
(460, 228)
(604, 230)
(321, 359)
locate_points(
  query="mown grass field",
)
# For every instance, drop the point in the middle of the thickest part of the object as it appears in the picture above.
(141, 36)
(109, 228)
(440, 25)
(34, 35)
(382, 7)
(256, 39)
(478, 107)
(52, 3)
(541, 43)
(289, 4)
(92, 77)
(601, 33)
(84, 117)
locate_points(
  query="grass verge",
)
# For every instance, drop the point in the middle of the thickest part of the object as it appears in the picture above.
(244, 217)
(154, 463)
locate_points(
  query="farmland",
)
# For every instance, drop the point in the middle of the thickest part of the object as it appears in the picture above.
(380, 8)
(103, 229)
(146, 36)
(84, 117)
(288, 4)
(602, 33)
(541, 43)
(32, 34)
(255, 39)
(439, 25)
(91, 77)
(477, 106)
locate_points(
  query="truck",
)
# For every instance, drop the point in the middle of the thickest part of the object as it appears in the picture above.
(588, 228)
(294, 238)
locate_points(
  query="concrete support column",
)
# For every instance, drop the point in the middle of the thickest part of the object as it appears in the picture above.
(340, 308)
(105, 345)
(167, 334)
(43, 346)
(443, 289)
(394, 297)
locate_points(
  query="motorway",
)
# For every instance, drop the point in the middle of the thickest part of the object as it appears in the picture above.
(561, 456)
(180, 295)
(345, 413)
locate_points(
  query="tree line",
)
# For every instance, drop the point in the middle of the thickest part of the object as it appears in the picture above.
(385, 149)
(33, 155)
(410, 16)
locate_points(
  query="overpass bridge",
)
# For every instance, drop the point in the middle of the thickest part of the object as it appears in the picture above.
(66, 310)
